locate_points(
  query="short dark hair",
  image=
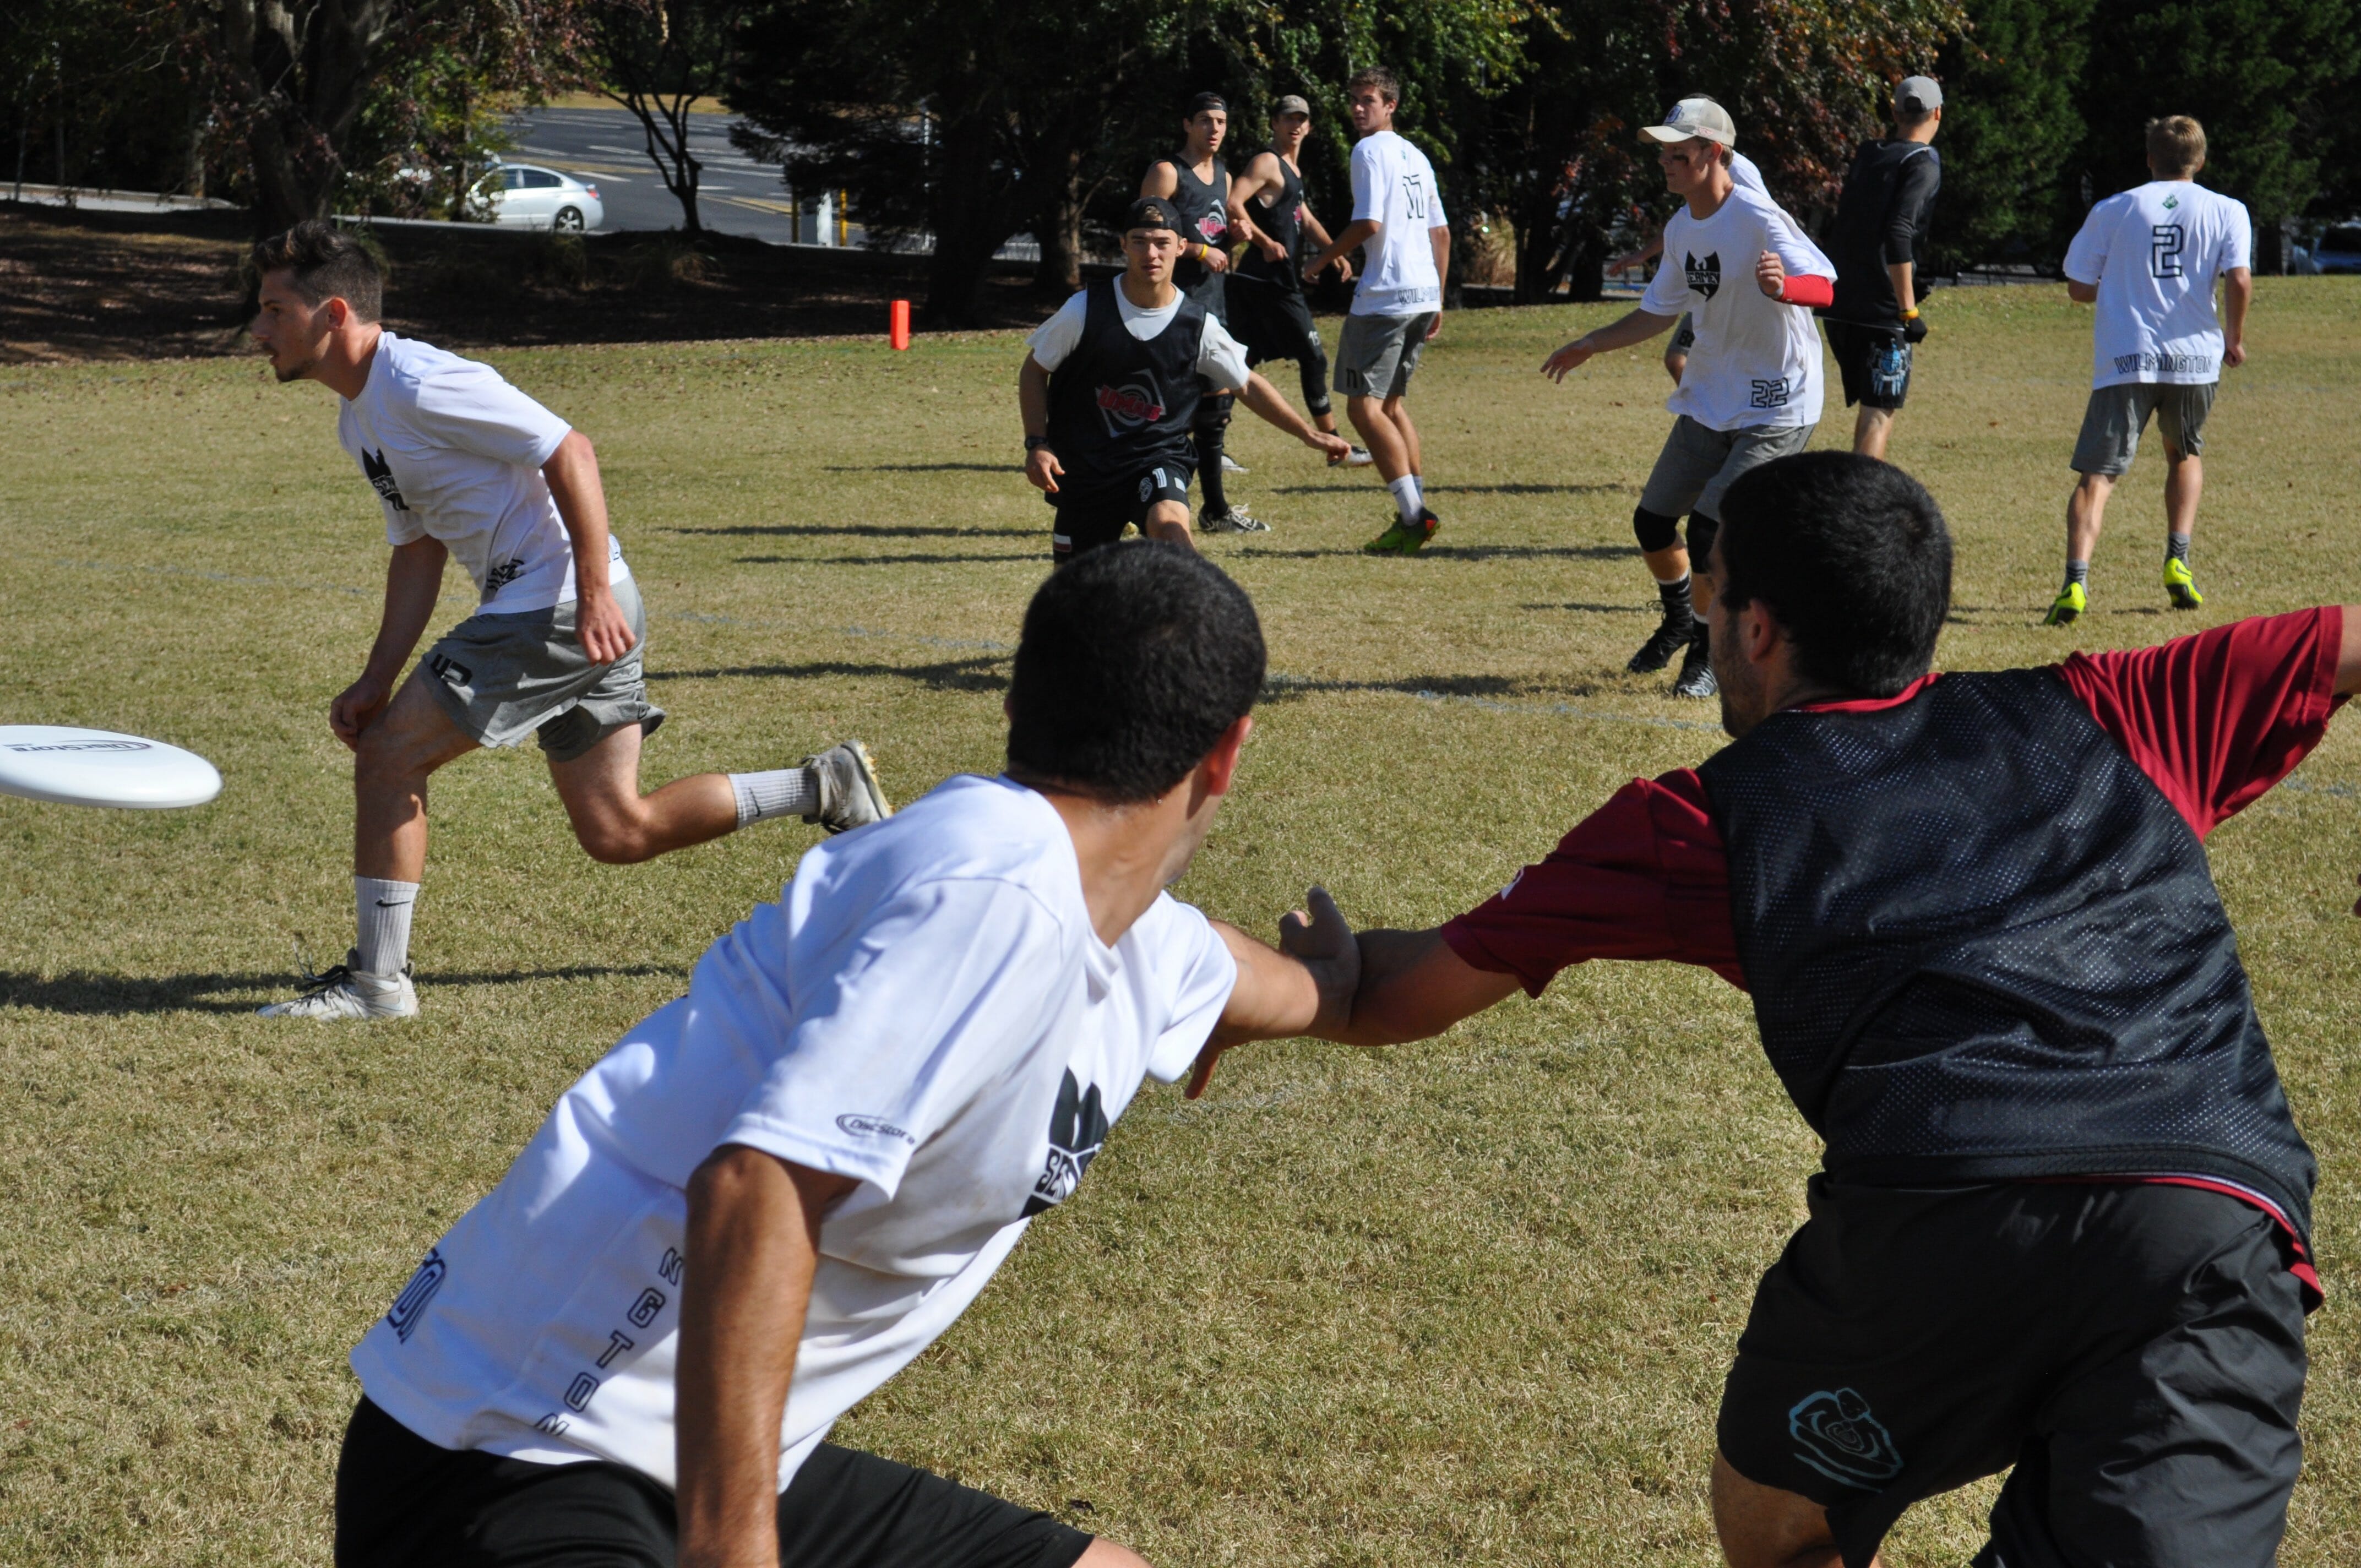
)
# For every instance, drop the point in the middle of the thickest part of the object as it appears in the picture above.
(1389, 85)
(1135, 658)
(327, 263)
(1852, 554)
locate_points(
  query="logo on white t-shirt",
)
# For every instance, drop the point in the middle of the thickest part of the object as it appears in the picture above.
(1705, 277)
(410, 1305)
(1135, 403)
(1078, 1125)
(379, 474)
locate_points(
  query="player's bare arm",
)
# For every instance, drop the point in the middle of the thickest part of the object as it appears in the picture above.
(572, 473)
(1636, 327)
(1263, 398)
(1439, 237)
(753, 1242)
(413, 581)
(1283, 996)
(1356, 236)
(1319, 232)
(2237, 293)
(1042, 470)
(1261, 175)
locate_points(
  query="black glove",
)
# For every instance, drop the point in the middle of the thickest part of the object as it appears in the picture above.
(1913, 330)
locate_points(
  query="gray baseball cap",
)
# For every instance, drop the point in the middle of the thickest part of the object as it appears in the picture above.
(1694, 117)
(1916, 95)
(1290, 103)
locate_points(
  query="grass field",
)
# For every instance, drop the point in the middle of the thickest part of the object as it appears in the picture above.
(1464, 1301)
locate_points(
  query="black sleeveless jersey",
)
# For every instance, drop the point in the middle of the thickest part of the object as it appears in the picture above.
(1280, 216)
(1118, 405)
(1204, 207)
(1983, 947)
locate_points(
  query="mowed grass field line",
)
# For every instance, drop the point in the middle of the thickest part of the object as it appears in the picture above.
(1470, 1300)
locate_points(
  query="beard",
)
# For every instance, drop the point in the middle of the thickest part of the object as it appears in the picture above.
(294, 372)
(1741, 683)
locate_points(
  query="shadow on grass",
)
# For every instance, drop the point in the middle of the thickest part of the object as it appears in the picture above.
(1503, 489)
(78, 992)
(977, 675)
(1286, 688)
(924, 468)
(858, 531)
(1467, 552)
(1600, 609)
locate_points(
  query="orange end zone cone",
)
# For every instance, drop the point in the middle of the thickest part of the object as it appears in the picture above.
(897, 331)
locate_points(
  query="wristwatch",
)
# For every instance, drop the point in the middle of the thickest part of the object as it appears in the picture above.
(1035, 443)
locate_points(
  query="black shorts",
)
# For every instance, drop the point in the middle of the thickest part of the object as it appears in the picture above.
(1088, 518)
(401, 1502)
(2136, 1352)
(1857, 348)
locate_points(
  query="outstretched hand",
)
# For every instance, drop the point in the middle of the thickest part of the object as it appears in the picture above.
(1336, 447)
(1325, 952)
(1571, 357)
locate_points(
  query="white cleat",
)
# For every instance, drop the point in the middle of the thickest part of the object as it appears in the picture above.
(1359, 459)
(1237, 520)
(850, 794)
(346, 993)
(1232, 465)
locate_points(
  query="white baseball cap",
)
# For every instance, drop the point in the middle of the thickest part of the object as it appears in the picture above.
(1695, 117)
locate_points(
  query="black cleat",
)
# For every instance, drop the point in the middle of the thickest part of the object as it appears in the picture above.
(1669, 639)
(1696, 678)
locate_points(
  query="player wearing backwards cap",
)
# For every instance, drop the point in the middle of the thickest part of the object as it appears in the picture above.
(1752, 391)
(2148, 257)
(465, 465)
(1197, 183)
(1267, 312)
(1112, 383)
(2062, 1217)
(779, 1190)
(1873, 326)
(1398, 226)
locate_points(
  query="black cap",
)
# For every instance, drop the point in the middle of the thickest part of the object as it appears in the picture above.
(1204, 100)
(1152, 213)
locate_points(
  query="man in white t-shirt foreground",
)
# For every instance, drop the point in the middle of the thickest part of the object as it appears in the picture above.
(465, 465)
(1398, 226)
(1111, 388)
(1751, 390)
(776, 1192)
(2148, 257)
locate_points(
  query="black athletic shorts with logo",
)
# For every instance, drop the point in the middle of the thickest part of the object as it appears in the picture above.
(2134, 1351)
(401, 1502)
(1088, 518)
(1856, 348)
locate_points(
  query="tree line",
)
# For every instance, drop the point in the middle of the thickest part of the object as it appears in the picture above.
(964, 126)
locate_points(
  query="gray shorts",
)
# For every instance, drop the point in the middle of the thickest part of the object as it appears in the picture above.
(1376, 355)
(1697, 464)
(503, 678)
(2113, 423)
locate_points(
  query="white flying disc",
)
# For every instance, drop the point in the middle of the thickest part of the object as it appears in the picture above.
(98, 767)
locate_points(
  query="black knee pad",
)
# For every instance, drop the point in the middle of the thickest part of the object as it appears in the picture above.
(1212, 413)
(1701, 531)
(1656, 531)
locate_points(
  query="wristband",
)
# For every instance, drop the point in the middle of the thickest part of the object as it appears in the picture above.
(1911, 315)
(1035, 443)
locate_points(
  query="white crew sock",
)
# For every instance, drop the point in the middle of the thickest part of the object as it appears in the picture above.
(383, 909)
(1408, 500)
(782, 792)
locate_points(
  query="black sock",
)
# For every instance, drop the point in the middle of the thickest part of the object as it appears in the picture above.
(2176, 547)
(1209, 467)
(1676, 599)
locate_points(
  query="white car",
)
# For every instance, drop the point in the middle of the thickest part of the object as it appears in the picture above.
(537, 198)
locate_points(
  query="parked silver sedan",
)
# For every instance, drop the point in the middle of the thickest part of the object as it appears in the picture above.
(532, 197)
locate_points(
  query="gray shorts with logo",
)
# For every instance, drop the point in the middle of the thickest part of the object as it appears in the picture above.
(503, 678)
(1376, 355)
(1698, 464)
(2116, 415)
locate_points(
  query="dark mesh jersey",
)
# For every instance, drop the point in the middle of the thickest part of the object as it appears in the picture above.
(1983, 945)
(1118, 405)
(1204, 207)
(1278, 214)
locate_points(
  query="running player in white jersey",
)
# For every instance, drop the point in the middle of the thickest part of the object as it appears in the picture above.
(2148, 257)
(778, 1190)
(1398, 226)
(465, 466)
(1743, 270)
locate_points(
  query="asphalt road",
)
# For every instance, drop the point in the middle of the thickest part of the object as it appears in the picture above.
(606, 147)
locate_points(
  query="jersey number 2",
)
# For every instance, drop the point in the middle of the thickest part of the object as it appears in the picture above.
(2164, 243)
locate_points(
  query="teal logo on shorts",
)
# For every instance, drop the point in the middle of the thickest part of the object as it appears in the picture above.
(1836, 1434)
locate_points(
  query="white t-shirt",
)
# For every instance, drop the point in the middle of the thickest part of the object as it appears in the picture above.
(1744, 172)
(1394, 185)
(454, 453)
(926, 1010)
(1756, 363)
(1219, 358)
(2155, 251)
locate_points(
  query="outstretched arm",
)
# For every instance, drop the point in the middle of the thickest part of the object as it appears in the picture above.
(1637, 327)
(1263, 398)
(753, 1242)
(1343, 245)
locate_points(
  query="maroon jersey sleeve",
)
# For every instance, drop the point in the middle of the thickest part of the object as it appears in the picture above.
(1642, 877)
(2217, 718)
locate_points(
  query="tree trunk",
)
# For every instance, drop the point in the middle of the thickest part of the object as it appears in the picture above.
(302, 71)
(1059, 230)
(967, 214)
